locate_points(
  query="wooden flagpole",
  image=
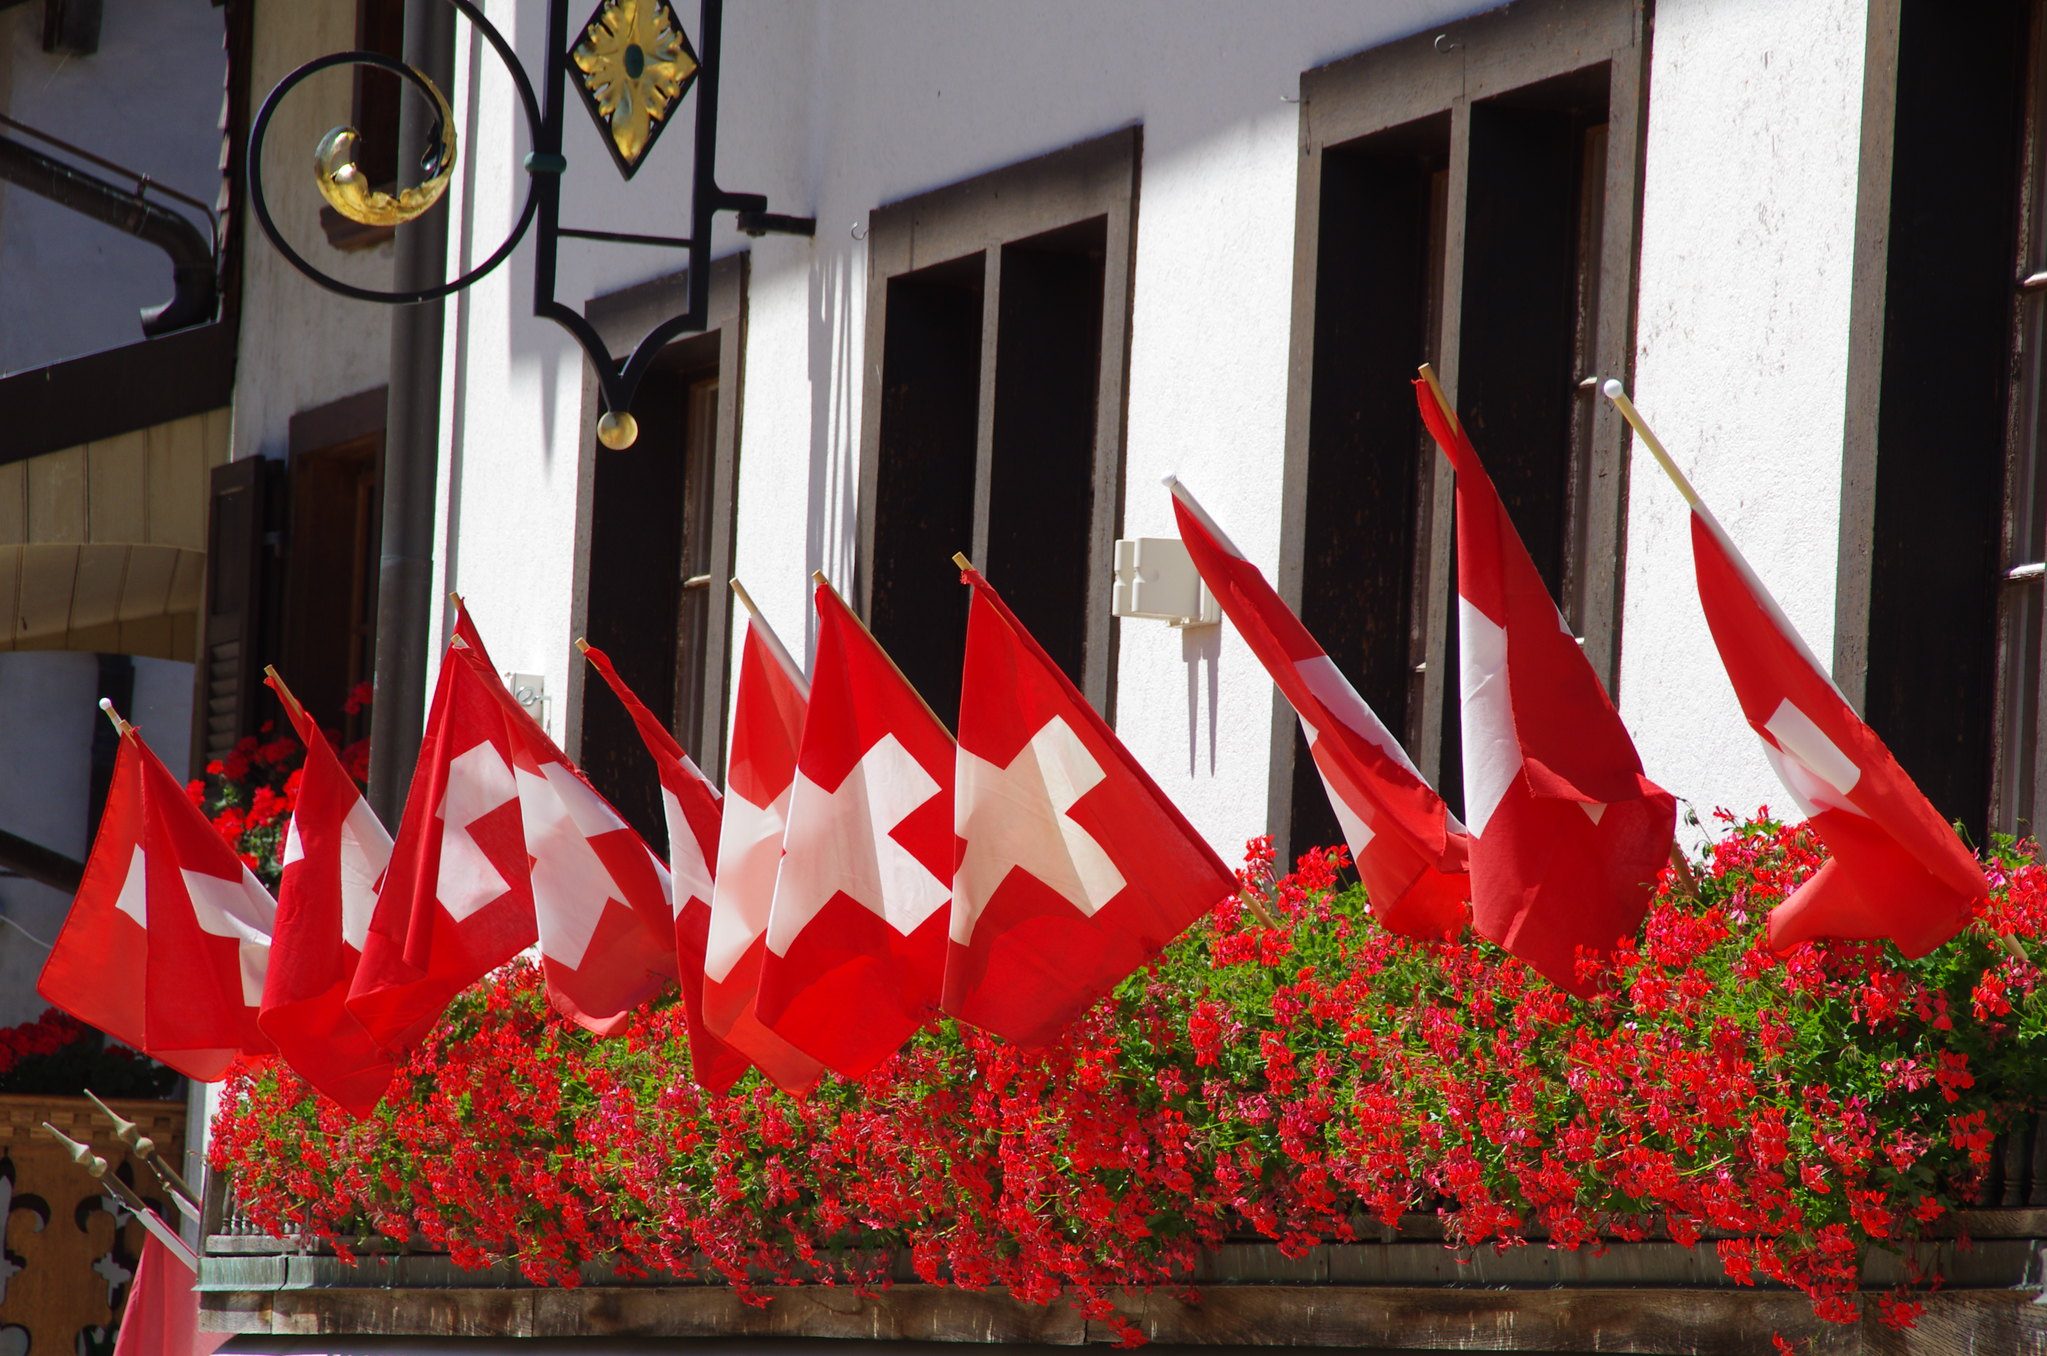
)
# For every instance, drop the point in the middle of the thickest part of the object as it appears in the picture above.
(277, 686)
(1428, 374)
(767, 630)
(1614, 392)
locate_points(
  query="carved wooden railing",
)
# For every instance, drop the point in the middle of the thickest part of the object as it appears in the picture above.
(67, 1248)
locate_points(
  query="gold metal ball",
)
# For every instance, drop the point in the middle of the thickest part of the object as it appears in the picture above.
(617, 431)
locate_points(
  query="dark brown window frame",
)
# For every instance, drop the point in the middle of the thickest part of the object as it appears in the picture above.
(1080, 183)
(621, 317)
(1444, 72)
(1971, 348)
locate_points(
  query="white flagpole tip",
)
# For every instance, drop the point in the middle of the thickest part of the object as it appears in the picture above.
(1613, 389)
(107, 705)
(1170, 482)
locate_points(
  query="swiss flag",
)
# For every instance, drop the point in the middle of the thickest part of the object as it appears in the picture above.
(504, 844)
(602, 901)
(1410, 851)
(168, 939)
(856, 937)
(768, 707)
(1897, 870)
(457, 898)
(1568, 835)
(335, 851)
(690, 804)
(1074, 869)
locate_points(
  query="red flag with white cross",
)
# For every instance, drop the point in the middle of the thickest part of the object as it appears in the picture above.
(690, 804)
(602, 901)
(768, 706)
(335, 852)
(1568, 836)
(457, 897)
(168, 940)
(1410, 851)
(1074, 869)
(1896, 869)
(856, 936)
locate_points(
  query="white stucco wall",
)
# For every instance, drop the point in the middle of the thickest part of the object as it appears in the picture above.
(150, 99)
(1748, 225)
(1753, 136)
(302, 346)
(832, 112)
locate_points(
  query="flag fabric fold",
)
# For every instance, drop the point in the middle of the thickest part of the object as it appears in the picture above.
(160, 1317)
(1896, 870)
(504, 845)
(1074, 868)
(167, 941)
(1409, 850)
(769, 702)
(1568, 835)
(335, 852)
(457, 897)
(857, 932)
(690, 805)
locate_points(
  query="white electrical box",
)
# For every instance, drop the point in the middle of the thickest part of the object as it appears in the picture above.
(1156, 578)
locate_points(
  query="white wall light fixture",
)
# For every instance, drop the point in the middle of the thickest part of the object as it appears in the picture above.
(1156, 579)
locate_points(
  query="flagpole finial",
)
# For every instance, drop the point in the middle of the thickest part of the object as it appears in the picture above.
(817, 577)
(81, 1154)
(121, 727)
(582, 645)
(959, 558)
(125, 1130)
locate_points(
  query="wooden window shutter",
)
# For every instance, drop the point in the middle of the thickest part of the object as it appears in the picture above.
(228, 682)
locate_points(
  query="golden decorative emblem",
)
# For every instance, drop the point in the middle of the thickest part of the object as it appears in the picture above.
(347, 189)
(636, 65)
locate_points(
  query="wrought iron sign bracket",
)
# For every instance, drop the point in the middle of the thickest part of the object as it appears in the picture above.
(633, 66)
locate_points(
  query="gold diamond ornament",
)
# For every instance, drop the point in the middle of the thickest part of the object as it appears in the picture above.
(636, 65)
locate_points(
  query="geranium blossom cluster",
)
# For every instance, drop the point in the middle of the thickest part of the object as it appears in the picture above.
(249, 795)
(1312, 1081)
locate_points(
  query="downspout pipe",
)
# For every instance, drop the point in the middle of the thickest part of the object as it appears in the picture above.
(405, 574)
(195, 284)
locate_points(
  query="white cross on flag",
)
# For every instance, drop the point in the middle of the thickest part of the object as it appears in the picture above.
(335, 851)
(457, 897)
(690, 805)
(768, 706)
(168, 939)
(504, 844)
(1074, 869)
(1568, 836)
(1897, 870)
(856, 936)
(1409, 850)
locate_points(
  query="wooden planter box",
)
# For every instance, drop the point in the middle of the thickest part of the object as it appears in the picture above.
(67, 1260)
(1406, 1293)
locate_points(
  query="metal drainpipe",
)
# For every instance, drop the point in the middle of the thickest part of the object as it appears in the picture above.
(411, 445)
(195, 297)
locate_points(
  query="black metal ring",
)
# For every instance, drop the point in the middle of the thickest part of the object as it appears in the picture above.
(260, 128)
